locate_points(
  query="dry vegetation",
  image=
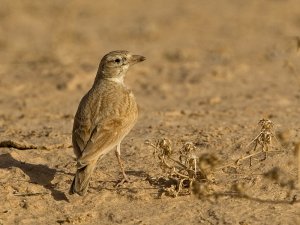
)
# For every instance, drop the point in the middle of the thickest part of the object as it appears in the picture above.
(213, 70)
(188, 170)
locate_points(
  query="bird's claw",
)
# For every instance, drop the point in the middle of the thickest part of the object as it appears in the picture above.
(124, 180)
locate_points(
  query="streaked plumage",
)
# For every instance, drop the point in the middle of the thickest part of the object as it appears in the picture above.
(104, 117)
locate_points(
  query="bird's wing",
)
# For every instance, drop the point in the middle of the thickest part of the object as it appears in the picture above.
(101, 123)
(81, 133)
(104, 136)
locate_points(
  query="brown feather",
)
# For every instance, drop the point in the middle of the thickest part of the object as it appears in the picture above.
(104, 117)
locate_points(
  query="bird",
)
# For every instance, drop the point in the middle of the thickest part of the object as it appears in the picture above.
(105, 115)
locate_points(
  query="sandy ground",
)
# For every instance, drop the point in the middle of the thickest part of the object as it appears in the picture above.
(213, 70)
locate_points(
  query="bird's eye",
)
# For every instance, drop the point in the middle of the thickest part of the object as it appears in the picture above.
(117, 60)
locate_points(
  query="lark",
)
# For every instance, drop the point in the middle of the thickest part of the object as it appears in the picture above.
(105, 115)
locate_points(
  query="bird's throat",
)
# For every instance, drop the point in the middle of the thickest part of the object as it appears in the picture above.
(119, 80)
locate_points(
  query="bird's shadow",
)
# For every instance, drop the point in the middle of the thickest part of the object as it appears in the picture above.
(38, 174)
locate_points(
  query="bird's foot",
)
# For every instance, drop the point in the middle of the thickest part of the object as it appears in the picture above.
(124, 180)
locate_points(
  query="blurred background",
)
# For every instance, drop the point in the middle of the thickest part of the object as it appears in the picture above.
(213, 70)
(76, 32)
(224, 61)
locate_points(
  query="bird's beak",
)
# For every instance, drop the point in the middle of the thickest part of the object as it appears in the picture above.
(136, 59)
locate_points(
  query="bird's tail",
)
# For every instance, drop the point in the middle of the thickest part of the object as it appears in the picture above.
(82, 178)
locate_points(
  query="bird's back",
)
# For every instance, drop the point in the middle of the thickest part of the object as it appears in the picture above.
(110, 109)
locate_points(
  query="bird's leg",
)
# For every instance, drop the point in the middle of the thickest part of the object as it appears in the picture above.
(118, 153)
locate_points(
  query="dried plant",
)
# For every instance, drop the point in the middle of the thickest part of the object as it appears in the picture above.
(266, 135)
(183, 167)
(263, 141)
(193, 172)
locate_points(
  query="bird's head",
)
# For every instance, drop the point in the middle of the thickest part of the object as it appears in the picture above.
(114, 65)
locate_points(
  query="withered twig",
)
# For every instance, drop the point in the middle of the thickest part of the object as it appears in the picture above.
(235, 162)
(179, 163)
(180, 174)
(25, 146)
(17, 145)
(30, 194)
